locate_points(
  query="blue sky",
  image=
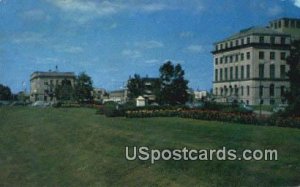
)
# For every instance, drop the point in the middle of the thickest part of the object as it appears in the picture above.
(111, 40)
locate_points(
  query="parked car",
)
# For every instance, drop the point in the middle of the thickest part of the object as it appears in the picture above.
(41, 104)
(195, 105)
(245, 108)
(280, 108)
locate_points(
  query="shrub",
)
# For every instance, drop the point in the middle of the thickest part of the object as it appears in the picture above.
(112, 109)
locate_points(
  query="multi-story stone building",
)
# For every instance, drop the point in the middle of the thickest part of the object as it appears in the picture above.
(250, 66)
(43, 84)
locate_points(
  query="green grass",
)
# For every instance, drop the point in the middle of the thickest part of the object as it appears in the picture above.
(76, 147)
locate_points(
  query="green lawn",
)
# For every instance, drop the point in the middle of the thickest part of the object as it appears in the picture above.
(76, 147)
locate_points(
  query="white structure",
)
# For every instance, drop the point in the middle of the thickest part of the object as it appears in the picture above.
(200, 94)
(250, 66)
(140, 101)
(42, 84)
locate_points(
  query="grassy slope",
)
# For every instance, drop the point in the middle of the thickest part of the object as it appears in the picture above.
(63, 147)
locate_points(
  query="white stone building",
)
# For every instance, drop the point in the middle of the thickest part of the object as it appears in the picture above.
(42, 84)
(250, 66)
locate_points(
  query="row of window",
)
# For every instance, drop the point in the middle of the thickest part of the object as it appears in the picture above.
(235, 73)
(222, 73)
(229, 91)
(286, 24)
(241, 57)
(247, 40)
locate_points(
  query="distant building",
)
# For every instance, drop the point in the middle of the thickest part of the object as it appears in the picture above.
(99, 94)
(198, 95)
(42, 84)
(250, 66)
(118, 96)
(150, 84)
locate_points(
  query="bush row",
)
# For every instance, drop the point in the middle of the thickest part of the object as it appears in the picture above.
(220, 116)
(151, 113)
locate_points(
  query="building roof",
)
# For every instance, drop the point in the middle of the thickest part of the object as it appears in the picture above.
(52, 74)
(254, 31)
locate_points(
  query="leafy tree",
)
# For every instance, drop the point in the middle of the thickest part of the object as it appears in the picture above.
(5, 92)
(173, 85)
(65, 91)
(84, 88)
(135, 86)
(293, 95)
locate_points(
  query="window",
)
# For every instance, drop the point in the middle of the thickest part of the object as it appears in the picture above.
(222, 91)
(221, 46)
(221, 60)
(282, 91)
(282, 40)
(231, 44)
(216, 91)
(226, 74)
(248, 71)
(261, 90)
(293, 24)
(242, 90)
(272, 55)
(242, 41)
(226, 45)
(248, 55)
(261, 70)
(236, 90)
(248, 90)
(248, 40)
(216, 61)
(272, 71)
(236, 72)
(275, 25)
(216, 74)
(261, 39)
(226, 59)
(231, 73)
(282, 56)
(45, 83)
(279, 24)
(261, 55)
(230, 59)
(236, 42)
(272, 90)
(230, 90)
(286, 23)
(242, 56)
(272, 101)
(272, 39)
(282, 71)
(221, 74)
(236, 57)
(242, 72)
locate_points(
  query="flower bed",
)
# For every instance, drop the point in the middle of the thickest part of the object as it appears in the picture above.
(219, 116)
(151, 113)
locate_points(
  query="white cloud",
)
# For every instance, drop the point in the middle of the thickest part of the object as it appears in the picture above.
(186, 34)
(149, 44)
(297, 3)
(274, 10)
(152, 61)
(29, 37)
(68, 49)
(154, 7)
(131, 53)
(36, 14)
(195, 48)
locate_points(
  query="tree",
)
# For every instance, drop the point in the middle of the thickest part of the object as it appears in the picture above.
(5, 93)
(65, 91)
(84, 88)
(135, 86)
(173, 85)
(293, 95)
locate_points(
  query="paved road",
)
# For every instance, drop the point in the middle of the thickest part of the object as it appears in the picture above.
(263, 112)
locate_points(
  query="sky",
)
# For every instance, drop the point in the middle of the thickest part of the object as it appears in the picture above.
(111, 40)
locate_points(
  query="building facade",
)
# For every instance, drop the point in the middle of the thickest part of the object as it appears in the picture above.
(250, 66)
(42, 84)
